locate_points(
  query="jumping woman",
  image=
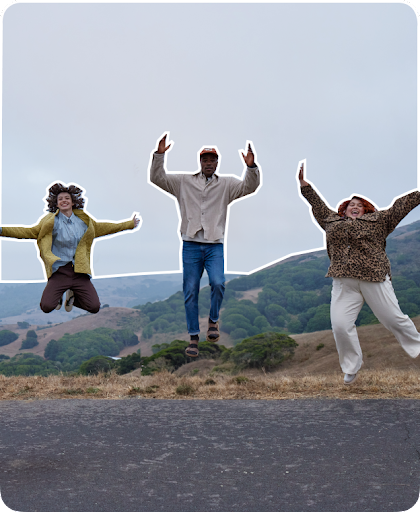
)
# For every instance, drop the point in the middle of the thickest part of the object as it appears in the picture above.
(64, 237)
(361, 271)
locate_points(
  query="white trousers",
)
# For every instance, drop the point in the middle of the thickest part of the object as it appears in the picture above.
(347, 298)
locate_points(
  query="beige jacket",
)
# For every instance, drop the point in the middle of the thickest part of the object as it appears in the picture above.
(356, 247)
(203, 204)
(42, 232)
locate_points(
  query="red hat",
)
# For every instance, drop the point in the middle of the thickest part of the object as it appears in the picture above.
(209, 151)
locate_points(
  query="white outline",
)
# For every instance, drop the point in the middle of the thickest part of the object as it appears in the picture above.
(415, 6)
(25, 240)
(225, 240)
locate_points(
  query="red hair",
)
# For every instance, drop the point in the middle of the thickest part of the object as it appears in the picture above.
(368, 207)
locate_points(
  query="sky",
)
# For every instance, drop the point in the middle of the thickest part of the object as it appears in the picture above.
(88, 89)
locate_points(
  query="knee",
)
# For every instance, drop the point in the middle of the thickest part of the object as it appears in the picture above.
(47, 308)
(341, 327)
(94, 308)
(218, 285)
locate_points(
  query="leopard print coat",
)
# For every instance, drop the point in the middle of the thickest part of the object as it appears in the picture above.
(356, 247)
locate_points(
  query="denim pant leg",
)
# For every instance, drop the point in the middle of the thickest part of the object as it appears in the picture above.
(215, 266)
(193, 266)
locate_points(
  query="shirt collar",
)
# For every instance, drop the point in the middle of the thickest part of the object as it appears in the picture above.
(63, 217)
(201, 175)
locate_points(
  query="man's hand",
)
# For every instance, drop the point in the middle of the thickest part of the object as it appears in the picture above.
(249, 158)
(136, 221)
(303, 183)
(162, 147)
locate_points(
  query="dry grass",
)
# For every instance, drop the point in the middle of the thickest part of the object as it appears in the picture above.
(387, 383)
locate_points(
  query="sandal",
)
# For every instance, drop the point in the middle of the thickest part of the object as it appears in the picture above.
(213, 333)
(58, 306)
(192, 350)
(68, 306)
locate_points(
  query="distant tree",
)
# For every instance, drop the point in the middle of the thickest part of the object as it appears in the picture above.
(125, 337)
(239, 334)
(23, 325)
(294, 326)
(3, 356)
(321, 320)
(7, 337)
(158, 347)
(30, 341)
(262, 323)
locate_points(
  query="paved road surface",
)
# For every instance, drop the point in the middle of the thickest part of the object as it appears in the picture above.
(204, 456)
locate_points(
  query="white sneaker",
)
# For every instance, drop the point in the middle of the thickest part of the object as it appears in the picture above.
(69, 300)
(58, 306)
(350, 378)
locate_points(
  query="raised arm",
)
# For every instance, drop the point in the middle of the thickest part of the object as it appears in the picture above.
(319, 208)
(251, 180)
(401, 207)
(168, 182)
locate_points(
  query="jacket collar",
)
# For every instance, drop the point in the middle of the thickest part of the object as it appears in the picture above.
(372, 217)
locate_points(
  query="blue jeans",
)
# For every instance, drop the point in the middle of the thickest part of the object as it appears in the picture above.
(195, 258)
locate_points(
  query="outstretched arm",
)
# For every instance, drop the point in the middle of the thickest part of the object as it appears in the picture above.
(168, 182)
(319, 208)
(251, 180)
(401, 207)
(21, 232)
(109, 228)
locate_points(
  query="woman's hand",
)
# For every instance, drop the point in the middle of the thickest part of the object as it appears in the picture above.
(303, 183)
(136, 221)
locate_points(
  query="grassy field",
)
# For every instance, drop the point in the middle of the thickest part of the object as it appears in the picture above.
(387, 383)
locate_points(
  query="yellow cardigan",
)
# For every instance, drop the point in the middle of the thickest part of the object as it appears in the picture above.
(42, 232)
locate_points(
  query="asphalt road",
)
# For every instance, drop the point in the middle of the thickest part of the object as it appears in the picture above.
(203, 456)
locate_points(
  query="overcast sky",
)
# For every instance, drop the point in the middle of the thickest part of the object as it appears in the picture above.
(89, 88)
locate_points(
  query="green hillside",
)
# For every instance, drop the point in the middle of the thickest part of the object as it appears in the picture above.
(295, 295)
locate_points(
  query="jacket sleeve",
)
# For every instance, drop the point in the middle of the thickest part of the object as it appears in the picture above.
(401, 207)
(108, 228)
(241, 188)
(21, 232)
(319, 208)
(168, 182)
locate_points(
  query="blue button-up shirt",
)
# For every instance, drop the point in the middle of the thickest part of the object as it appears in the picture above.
(66, 236)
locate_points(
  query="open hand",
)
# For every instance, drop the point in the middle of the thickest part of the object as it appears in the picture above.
(303, 183)
(136, 221)
(162, 147)
(249, 158)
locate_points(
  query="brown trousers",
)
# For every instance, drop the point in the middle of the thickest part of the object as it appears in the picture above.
(65, 278)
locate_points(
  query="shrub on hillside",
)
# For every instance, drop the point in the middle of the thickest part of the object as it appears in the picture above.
(172, 357)
(30, 341)
(23, 325)
(7, 337)
(95, 365)
(128, 363)
(266, 350)
(28, 364)
(74, 349)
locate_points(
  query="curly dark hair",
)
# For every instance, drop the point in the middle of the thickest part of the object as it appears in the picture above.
(369, 208)
(57, 188)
